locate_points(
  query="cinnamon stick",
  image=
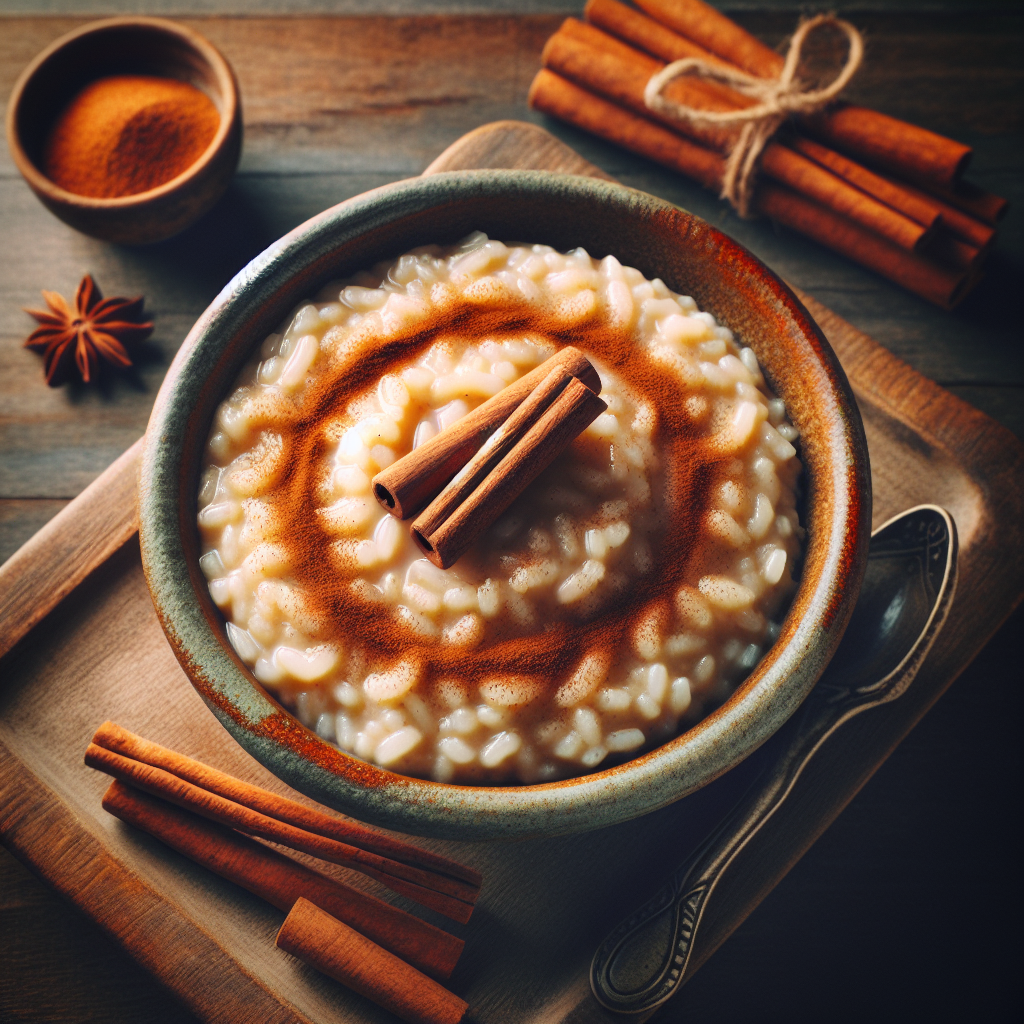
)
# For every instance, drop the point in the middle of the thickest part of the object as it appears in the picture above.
(611, 69)
(891, 143)
(493, 450)
(922, 209)
(702, 24)
(552, 94)
(445, 537)
(950, 250)
(602, 64)
(834, 192)
(411, 482)
(961, 224)
(279, 880)
(970, 198)
(649, 35)
(622, 73)
(563, 99)
(450, 897)
(945, 287)
(113, 737)
(340, 952)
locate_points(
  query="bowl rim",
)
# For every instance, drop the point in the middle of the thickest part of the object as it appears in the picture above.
(317, 768)
(214, 59)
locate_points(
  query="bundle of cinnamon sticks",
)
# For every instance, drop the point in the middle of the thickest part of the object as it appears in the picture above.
(883, 192)
(381, 951)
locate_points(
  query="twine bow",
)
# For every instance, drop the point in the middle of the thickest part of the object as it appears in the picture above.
(779, 98)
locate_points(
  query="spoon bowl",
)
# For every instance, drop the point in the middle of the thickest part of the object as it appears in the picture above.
(911, 566)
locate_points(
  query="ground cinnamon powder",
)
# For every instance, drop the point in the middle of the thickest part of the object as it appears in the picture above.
(689, 459)
(127, 134)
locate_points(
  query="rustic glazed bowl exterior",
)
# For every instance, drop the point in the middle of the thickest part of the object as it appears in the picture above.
(563, 211)
(136, 46)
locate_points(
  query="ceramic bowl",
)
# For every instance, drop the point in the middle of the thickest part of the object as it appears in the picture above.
(563, 211)
(138, 46)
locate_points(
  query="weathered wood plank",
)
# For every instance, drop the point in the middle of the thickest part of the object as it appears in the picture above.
(21, 518)
(41, 573)
(109, 986)
(744, 11)
(1004, 404)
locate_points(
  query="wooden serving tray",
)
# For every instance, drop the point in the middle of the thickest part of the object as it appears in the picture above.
(81, 643)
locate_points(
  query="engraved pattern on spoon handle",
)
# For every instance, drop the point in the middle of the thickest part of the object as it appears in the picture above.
(833, 701)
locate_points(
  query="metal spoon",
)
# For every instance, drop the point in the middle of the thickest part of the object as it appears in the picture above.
(905, 598)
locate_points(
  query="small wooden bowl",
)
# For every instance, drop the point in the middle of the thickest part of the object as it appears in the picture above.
(137, 46)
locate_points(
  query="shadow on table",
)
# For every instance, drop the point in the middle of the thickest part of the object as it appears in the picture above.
(204, 257)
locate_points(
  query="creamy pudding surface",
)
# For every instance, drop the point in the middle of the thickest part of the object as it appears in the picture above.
(621, 598)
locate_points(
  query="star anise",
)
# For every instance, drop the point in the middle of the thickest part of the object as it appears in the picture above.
(96, 328)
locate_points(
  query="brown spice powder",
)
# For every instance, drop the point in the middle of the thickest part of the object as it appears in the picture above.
(127, 134)
(685, 447)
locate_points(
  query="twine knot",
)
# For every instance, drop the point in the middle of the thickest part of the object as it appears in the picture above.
(779, 98)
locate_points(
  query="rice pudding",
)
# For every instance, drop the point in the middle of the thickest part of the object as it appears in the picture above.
(622, 596)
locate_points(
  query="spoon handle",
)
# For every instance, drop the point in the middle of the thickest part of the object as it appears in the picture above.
(641, 963)
(644, 959)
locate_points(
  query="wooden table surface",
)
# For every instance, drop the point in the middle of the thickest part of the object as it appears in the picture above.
(907, 908)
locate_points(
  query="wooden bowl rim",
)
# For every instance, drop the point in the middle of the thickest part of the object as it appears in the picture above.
(215, 60)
